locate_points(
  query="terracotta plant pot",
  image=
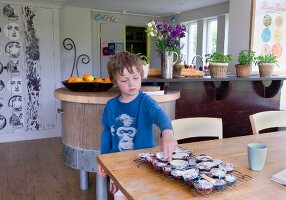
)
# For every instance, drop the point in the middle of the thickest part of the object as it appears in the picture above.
(243, 70)
(218, 70)
(266, 69)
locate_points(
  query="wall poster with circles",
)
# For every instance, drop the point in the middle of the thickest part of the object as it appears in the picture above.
(267, 28)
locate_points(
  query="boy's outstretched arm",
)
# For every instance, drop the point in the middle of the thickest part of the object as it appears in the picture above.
(168, 143)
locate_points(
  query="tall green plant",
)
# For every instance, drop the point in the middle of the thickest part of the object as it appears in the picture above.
(218, 58)
(246, 57)
(268, 58)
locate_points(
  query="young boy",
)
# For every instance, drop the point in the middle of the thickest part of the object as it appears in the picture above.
(128, 118)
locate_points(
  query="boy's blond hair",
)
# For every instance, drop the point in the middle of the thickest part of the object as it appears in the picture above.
(124, 60)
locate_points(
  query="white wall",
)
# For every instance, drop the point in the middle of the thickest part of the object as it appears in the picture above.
(75, 23)
(239, 28)
(201, 13)
(222, 24)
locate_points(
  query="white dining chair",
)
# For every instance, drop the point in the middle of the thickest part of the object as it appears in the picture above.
(197, 127)
(267, 119)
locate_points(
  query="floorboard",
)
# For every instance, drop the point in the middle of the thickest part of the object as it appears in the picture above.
(3, 170)
(34, 170)
(16, 178)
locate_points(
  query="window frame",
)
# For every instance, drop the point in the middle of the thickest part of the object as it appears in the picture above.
(209, 39)
(187, 50)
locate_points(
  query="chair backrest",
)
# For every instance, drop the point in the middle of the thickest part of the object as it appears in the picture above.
(267, 119)
(197, 127)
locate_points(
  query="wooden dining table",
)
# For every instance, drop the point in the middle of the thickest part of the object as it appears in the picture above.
(141, 182)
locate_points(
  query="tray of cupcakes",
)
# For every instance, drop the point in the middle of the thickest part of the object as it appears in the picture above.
(204, 174)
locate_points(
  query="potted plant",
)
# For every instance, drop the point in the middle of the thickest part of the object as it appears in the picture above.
(218, 64)
(146, 64)
(266, 64)
(245, 59)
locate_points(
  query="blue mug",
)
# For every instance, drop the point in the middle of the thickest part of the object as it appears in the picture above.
(256, 156)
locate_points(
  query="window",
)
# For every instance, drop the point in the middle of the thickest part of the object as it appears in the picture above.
(211, 35)
(202, 37)
(190, 41)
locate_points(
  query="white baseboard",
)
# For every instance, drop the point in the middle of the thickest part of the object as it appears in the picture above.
(33, 135)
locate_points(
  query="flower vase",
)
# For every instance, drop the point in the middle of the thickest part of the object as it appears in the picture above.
(167, 62)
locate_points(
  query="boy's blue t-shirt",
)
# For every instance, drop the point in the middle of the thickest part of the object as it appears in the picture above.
(128, 126)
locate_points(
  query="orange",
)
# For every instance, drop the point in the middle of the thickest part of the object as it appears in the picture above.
(89, 78)
(78, 79)
(85, 76)
(107, 80)
(98, 80)
(71, 79)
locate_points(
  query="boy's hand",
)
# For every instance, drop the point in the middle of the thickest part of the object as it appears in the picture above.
(100, 171)
(168, 144)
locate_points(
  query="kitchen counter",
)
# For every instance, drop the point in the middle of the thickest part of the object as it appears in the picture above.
(231, 98)
(254, 77)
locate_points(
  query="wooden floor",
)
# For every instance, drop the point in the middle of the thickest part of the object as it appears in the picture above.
(34, 170)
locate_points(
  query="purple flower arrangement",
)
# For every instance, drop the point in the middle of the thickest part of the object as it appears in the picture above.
(166, 36)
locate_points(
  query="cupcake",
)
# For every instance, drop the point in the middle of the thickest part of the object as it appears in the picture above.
(230, 179)
(150, 159)
(143, 156)
(218, 173)
(203, 187)
(180, 156)
(227, 167)
(217, 162)
(160, 156)
(177, 174)
(205, 166)
(203, 158)
(167, 170)
(219, 184)
(192, 163)
(190, 175)
(158, 165)
(179, 164)
(181, 150)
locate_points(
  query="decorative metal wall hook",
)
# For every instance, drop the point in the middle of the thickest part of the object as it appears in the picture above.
(69, 44)
(84, 59)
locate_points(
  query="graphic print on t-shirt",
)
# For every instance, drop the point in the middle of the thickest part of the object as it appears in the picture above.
(124, 130)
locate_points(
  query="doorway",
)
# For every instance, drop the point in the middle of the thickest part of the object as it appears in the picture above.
(136, 40)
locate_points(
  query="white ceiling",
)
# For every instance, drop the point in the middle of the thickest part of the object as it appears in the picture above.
(146, 7)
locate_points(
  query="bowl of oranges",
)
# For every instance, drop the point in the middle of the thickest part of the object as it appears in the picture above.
(88, 83)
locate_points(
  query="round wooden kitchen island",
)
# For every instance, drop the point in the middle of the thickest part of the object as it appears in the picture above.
(81, 114)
